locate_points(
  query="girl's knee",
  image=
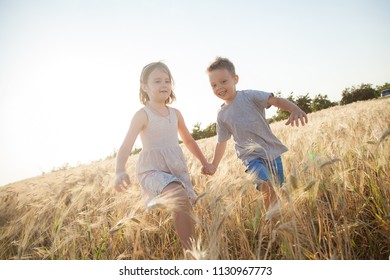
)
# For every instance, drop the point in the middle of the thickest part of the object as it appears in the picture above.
(176, 192)
(175, 189)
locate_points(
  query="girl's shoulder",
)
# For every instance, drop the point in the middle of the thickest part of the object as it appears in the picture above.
(141, 115)
(173, 109)
(142, 111)
(177, 112)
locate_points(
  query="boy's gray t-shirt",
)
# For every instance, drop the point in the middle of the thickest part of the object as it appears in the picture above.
(244, 118)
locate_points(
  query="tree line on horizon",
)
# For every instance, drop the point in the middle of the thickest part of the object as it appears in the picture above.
(308, 105)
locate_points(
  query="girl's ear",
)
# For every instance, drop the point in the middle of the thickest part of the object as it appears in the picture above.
(144, 87)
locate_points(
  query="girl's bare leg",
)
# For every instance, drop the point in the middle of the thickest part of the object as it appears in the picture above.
(181, 214)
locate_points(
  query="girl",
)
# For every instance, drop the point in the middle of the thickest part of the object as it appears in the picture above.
(161, 168)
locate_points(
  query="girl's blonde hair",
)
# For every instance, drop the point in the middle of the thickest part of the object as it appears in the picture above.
(143, 96)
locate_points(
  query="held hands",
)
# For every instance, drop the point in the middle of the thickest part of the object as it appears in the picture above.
(122, 181)
(296, 116)
(208, 169)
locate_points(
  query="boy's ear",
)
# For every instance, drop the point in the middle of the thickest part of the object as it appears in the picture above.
(236, 78)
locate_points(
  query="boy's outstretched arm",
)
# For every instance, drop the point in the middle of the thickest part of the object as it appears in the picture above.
(296, 113)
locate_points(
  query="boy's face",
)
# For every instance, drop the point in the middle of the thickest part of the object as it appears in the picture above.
(223, 84)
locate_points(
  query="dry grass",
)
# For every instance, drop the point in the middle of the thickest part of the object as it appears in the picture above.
(335, 204)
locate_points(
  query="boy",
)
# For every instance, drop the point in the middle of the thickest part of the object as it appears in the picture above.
(243, 116)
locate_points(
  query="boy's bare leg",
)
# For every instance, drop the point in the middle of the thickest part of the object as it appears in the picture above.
(268, 193)
(181, 214)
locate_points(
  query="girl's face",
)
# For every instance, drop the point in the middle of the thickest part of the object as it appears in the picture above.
(158, 86)
(223, 84)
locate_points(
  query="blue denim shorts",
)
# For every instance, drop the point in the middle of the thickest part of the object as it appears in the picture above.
(267, 170)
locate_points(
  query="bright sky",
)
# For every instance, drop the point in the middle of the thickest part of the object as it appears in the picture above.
(69, 70)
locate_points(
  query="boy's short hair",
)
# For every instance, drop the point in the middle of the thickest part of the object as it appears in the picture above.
(222, 63)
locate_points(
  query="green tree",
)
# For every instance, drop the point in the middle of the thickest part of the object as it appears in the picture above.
(363, 92)
(381, 88)
(197, 132)
(304, 102)
(320, 102)
(209, 131)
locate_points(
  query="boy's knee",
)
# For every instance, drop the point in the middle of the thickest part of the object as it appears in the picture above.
(263, 185)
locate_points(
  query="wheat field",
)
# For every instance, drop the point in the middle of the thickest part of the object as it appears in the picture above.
(335, 203)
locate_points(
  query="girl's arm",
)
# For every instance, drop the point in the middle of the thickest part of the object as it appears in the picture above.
(188, 141)
(296, 114)
(137, 124)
